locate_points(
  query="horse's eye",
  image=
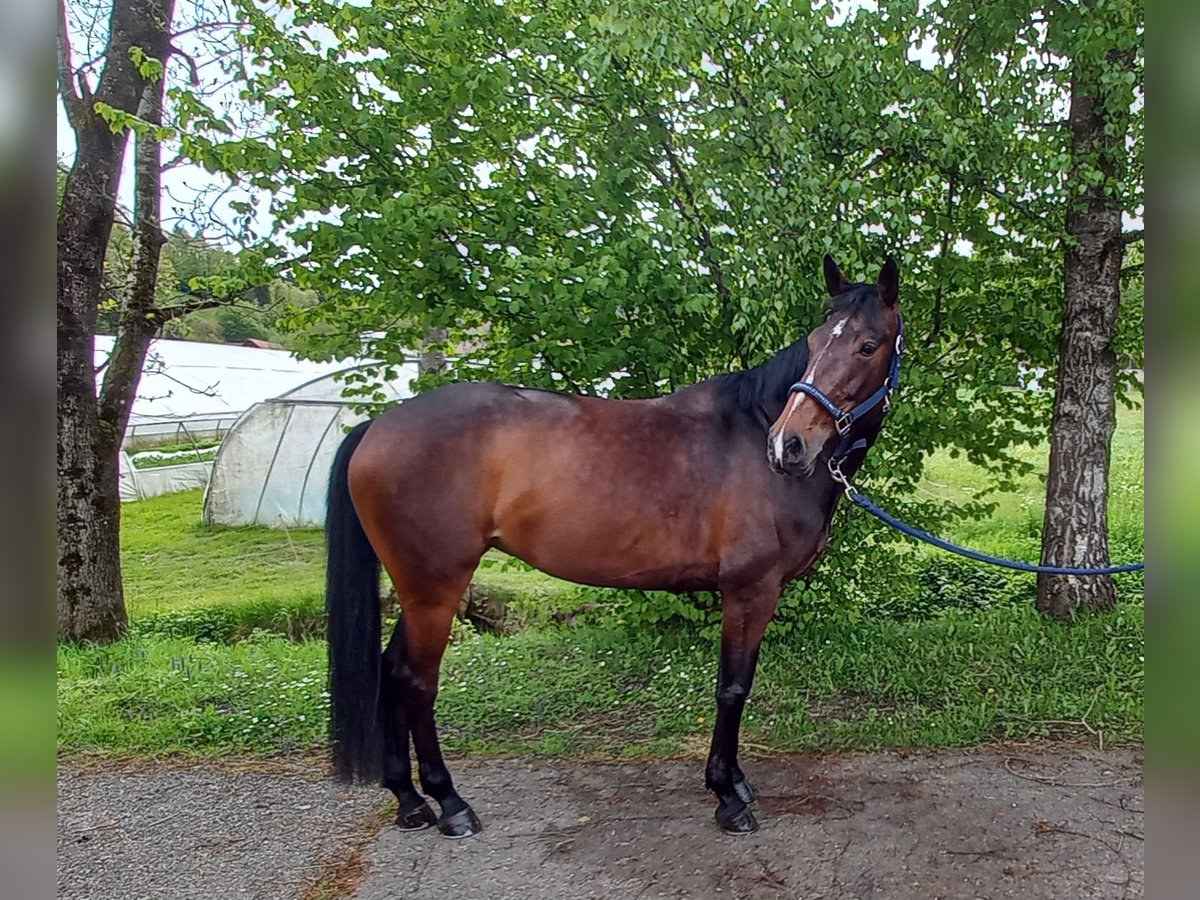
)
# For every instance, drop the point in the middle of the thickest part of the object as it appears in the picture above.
(868, 348)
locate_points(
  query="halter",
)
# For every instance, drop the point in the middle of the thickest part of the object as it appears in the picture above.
(843, 420)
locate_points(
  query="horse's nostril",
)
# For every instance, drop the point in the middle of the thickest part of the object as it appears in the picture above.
(793, 449)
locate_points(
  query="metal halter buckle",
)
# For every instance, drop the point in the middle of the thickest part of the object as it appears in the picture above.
(843, 424)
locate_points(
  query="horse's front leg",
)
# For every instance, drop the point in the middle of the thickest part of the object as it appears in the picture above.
(744, 618)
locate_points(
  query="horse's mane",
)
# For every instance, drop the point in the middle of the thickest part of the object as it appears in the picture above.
(762, 391)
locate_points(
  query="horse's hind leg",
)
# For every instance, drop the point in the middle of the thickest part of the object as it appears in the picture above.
(428, 615)
(414, 813)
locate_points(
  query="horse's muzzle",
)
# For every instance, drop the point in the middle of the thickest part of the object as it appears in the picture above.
(788, 457)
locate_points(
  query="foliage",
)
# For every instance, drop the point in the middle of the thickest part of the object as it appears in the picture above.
(602, 690)
(640, 194)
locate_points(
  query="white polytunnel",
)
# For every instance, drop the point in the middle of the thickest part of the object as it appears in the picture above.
(272, 468)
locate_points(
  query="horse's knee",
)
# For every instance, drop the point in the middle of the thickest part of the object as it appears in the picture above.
(732, 693)
(419, 695)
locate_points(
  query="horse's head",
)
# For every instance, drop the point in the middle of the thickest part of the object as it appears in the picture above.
(849, 360)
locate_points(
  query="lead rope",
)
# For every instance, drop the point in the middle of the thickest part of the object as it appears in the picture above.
(860, 499)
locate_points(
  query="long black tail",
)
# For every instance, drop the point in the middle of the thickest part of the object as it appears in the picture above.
(354, 628)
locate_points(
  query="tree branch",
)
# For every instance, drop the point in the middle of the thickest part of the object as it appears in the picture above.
(139, 321)
(1134, 237)
(705, 236)
(938, 311)
(206, 26)
(71, 99)
(193, 69)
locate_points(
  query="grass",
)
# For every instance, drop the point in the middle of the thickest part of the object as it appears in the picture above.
(1015, 528)
(225, 656)
(173, 564)
(601, 690)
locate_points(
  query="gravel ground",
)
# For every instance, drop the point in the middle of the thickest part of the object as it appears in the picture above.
(1025, 822)
(160, 831)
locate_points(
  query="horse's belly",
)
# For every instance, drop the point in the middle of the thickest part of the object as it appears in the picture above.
(645, 557)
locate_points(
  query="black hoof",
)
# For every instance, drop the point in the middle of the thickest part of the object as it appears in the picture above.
(417, 820)
(461, 824)
(744, 791)
(739, 821)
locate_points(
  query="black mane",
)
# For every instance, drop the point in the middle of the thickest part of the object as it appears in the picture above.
(761, 392)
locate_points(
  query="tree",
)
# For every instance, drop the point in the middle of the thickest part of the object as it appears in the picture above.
(1101, 122)
(90, 601)
(127, 96)
(1066, 80)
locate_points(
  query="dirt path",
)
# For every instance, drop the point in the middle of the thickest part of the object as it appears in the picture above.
(1002, 822)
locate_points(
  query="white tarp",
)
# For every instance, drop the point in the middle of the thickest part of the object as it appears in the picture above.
(206, 386)
(138, 484)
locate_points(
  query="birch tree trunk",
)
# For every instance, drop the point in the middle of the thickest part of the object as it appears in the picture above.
(1075, 529)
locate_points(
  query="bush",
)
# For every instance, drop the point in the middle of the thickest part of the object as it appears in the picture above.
(230, 623)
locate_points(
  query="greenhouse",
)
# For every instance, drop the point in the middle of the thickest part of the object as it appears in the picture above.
(273, 465)
(192, 391)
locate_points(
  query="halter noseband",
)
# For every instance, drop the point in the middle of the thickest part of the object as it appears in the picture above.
(843, 420)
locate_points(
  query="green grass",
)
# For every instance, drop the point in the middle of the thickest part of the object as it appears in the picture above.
(595, 690)
(1015, 528)
(172, 564)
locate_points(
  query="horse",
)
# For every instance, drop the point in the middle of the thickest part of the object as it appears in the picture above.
(728, 485)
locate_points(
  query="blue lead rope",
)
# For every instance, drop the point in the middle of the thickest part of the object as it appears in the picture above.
(867, 504)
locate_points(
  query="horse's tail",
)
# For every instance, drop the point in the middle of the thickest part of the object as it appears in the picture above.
(354, 629)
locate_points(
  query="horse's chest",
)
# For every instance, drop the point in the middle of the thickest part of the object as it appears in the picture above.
(803, 554)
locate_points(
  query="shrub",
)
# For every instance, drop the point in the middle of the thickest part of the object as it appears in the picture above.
(230, 623)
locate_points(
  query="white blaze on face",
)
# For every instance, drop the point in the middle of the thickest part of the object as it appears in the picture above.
(835, 332)
(798, 397)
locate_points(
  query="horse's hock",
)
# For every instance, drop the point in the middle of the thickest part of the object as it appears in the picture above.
(480, 606)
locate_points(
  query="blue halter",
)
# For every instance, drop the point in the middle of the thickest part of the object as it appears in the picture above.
(843, 420)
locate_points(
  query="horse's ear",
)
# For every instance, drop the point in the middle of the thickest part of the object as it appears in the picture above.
(889, 281)
(835, 281)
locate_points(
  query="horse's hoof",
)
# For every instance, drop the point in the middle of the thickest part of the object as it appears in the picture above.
(740, 821)
(461, 824)
(417, 820)
(744, 791)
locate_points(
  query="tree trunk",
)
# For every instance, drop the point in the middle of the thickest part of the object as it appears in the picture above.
(90, 599)
(1075, 530)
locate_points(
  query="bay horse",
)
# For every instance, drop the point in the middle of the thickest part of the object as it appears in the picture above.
(715, 487)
